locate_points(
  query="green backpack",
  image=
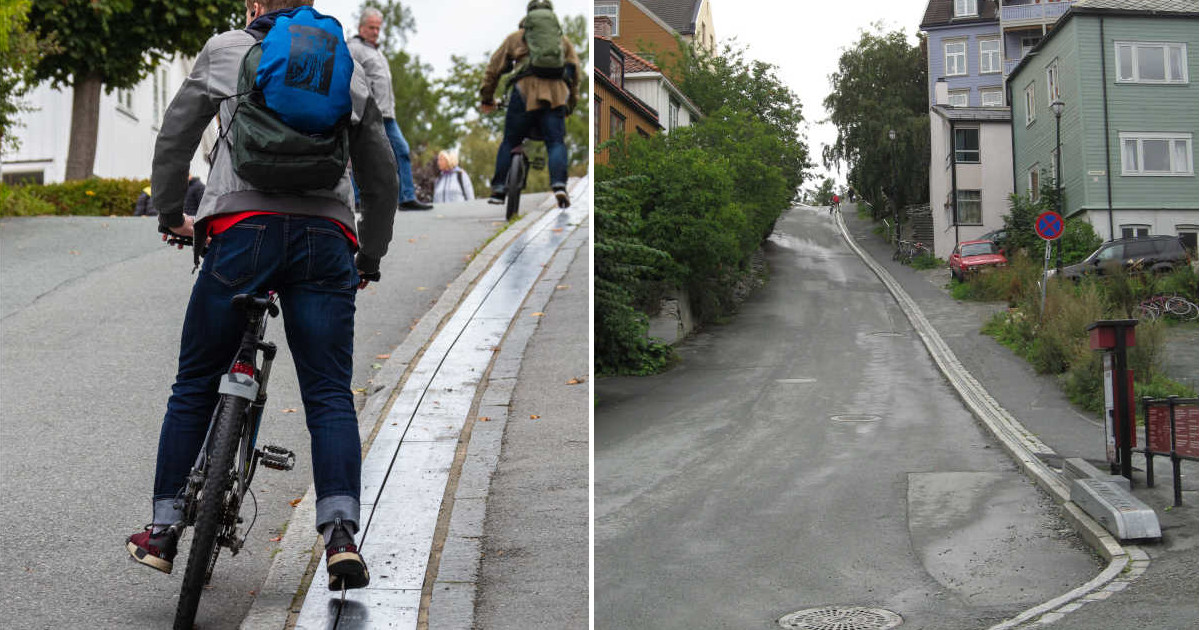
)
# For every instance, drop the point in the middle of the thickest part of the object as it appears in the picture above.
(270, 154)
(543, 36)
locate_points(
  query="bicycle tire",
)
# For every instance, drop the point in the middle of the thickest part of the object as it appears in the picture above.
(515, 182)
(210, 513)
(1180, 307)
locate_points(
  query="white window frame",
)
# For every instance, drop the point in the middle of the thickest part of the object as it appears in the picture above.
(161, 93)
(601, 8)
(125, 102)
(953, 94)
(1053, 80)
(946, 55)
(985, 92)
(998, 66)
(1028, 43)
(1033, 183)
(1134, 229)
(1030, 104)
(1177, 170)
(958, 214)
(1133, 57)
(966, 8)
(978, 143)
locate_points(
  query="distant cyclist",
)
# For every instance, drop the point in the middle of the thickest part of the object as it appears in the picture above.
(836, 205)
(545, 88)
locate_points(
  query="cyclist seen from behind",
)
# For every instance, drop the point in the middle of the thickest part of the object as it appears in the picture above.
(545, 89)
(264, 234)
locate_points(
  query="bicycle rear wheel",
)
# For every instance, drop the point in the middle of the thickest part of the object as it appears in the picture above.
(514, 184)
(218, 476)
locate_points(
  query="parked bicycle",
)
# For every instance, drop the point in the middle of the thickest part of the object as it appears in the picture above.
(219, 481)
(906, 251)
(1173, 306)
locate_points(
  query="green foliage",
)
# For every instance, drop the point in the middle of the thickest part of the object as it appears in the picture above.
(927, 261)
(19, 53)
(1079, 240)
(823, 194)
(120, 41)
(881, 85)
(89, 197)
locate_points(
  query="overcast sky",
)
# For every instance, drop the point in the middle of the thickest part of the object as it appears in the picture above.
(805, 39)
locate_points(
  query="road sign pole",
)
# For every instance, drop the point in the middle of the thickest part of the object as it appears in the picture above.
(1045, 276)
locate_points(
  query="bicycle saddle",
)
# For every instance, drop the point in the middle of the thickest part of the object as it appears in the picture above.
(249, 302)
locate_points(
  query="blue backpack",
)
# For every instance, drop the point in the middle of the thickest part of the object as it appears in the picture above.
(290, 130)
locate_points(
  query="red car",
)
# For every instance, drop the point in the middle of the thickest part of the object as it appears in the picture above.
(972, 256)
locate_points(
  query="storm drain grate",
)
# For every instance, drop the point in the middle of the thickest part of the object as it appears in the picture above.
(841, 618)
(855, 417)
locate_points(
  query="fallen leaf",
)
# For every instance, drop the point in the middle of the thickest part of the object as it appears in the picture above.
(578, 380)
(382, 357)
(422, 289)
(563, 286)
(537, 314)
(295, 502)
(556, 230)
(484, 419)
(376, 366)
(534, 416)
(277, 539)
(361, 390)
(412, 240)
(74, 252)
(288, 410)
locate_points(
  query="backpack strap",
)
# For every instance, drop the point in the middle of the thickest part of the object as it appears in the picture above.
(460, 184)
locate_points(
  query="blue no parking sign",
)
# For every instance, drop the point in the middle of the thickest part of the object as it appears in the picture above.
(1049, 225)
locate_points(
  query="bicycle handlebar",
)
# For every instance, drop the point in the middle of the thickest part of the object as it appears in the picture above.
(176, 239)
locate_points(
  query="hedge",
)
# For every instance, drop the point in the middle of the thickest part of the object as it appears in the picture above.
(89, 197)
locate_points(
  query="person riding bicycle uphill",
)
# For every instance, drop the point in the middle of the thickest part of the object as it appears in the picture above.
(545, 90)
(301, 244)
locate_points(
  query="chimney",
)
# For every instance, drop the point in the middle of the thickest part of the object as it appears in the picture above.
(603, 25)
(941, 92)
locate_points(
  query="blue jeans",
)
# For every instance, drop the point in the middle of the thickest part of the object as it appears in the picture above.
(408, 190)
(310, 263)
(517, 125)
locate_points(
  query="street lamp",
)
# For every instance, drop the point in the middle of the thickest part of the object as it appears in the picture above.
(1057, 107)
(895, 206)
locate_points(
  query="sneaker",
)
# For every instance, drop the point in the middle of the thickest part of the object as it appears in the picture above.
(564, 200)
(346, 566)
(156, 551)
(413, 204)
(496, 199)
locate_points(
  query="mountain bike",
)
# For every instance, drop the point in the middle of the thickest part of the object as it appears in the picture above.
(219, 481)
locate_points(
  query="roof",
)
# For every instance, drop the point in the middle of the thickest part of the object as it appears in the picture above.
(678, 14)
(941, 13)
(603, 80)
(636, 63)
(974, 114)
(1129, 8)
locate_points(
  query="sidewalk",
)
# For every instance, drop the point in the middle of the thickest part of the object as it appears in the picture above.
(1165, 596)
(433, 428)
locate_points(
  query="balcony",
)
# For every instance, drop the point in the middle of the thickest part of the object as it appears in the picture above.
(1031, 14)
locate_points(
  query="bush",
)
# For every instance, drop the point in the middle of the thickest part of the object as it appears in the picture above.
(89, 197)
(927, 261)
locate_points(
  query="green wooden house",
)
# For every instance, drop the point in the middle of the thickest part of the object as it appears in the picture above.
(1126, 74)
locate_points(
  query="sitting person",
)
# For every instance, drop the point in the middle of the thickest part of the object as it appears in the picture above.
(453, 184)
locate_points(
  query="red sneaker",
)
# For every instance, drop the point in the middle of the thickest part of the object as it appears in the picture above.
(346, 566)
(156, 551)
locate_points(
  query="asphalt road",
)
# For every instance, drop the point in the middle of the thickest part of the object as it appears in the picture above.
(808, 454)
(90, 314)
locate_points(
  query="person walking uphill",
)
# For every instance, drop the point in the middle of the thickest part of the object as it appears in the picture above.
(299, 242)
(364, 47)
(545, 90)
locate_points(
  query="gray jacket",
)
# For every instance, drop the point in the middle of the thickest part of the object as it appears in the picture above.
(207, 92)
(379, 73)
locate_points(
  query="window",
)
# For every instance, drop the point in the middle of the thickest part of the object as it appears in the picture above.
(956, 58)
(613, 11)
(616, 68)
(1142, 62)
(970, 207)
(596, 118)
(1052, 82)
(991, 97)
(1030, 105)
(989, 56)
(959, 98)
(1035, 184)
(672, 114)
(125, 101)
(966, 146)
(1187, 234)
(643, 133)
(616, 124)
(1027, 43)
(1134, 231)
(160, 94)
(1156, 154)
(1112, 252)
(963, 8)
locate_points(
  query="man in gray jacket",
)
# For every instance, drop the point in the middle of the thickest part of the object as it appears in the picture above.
(364, 47)
(303, 246)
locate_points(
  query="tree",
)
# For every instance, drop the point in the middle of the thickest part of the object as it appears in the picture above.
(114, 44)
(881, 85)
(19, 52)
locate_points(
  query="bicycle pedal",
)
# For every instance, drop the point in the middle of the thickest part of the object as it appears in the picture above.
(537, 163)
(277, 458)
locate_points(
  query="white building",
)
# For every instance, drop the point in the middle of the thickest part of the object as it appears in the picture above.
(128, 127)
(646, 81)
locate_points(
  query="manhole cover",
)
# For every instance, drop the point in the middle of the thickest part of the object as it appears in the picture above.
(842, 618)
(887, 334)
(855, 417)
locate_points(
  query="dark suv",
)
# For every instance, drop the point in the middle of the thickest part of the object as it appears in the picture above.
(1158, 254)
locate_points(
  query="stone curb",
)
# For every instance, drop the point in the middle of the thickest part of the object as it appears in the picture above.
(452, 606)
(288, 578)
(1024, 448)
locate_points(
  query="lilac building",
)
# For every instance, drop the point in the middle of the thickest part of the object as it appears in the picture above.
(966, 50)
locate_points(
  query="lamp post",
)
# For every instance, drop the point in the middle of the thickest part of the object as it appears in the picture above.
(895, 206)
(1057, 107)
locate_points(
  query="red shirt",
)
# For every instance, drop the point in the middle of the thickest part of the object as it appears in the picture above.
(223, 222)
